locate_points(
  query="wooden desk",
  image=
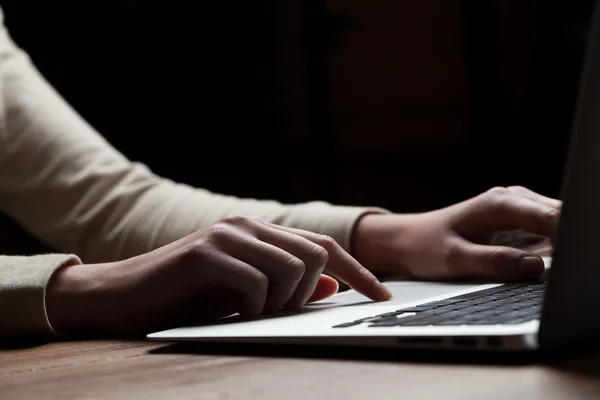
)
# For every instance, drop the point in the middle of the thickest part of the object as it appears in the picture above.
(121, 369)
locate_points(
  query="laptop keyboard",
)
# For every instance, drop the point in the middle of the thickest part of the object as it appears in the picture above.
(507, 304)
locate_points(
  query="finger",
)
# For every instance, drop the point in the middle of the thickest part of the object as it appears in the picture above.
(506, 211)
(314, 256)
(496, 263)
(344, 267)
(250, 283)
(326, 287)
(531, 195)
(284, 270)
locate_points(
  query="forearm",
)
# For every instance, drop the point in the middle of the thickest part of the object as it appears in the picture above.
(170, 211)
(65, 184)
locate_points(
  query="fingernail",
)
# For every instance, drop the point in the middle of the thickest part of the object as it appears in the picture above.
(530, 267)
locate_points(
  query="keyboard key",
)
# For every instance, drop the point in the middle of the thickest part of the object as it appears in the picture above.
(506, 304)
(347, 324)
(413, 309)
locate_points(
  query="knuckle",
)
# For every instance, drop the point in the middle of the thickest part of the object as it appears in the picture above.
(552, 214)
(320, 255)
(237, 219)
(496, 191)
(325, 241)
(259, 281)
(221, 232)
(296, 266)
(366, 275)
(498, 197)
(516, 188)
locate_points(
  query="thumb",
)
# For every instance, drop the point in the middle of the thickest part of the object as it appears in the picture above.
(326, 287)
(495, 262)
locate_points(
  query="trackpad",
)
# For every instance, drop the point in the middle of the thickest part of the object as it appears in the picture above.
(404, 292)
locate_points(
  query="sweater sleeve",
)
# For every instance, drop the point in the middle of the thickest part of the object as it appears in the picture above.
(67, 186)
(23, 282)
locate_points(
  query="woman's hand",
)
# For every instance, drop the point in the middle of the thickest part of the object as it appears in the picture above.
(462, 241)
(238, 265)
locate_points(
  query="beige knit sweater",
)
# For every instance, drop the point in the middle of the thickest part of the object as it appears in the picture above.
(62, 182)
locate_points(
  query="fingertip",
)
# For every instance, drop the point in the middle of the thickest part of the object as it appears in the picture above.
(530, 267)
(249, 312)
(328, 280)
(383, 293)
(326, 287)
(509, 264)
(373, 289)
(253, 306)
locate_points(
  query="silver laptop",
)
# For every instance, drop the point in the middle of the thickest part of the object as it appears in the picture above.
(561, 309)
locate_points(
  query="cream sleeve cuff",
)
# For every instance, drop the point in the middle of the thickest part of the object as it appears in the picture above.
(23, 282)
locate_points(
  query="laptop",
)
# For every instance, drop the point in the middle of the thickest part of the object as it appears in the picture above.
(560, 309)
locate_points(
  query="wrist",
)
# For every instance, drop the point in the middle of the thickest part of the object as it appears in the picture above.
(379, 243)
(72, 296)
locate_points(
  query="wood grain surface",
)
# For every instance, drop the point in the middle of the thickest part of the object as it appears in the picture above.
(151, 370)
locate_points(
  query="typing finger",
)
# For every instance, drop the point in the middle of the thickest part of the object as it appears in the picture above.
(502, 210)
(496, 263)
(313, 255)
(530, 194)
(250, 283)
(283, 269)
(344, 267)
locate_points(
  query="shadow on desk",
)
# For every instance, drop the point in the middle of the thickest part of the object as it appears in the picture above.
(584, 355)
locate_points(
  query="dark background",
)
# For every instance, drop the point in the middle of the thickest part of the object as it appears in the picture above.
(409, 105)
